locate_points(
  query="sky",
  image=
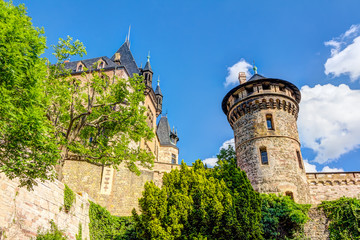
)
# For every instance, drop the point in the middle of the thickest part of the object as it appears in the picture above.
(197, 49)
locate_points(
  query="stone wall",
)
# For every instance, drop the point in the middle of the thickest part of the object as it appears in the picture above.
(116, 190)
(23, 212)
(332, 186)
(284, 172)
(317, 228)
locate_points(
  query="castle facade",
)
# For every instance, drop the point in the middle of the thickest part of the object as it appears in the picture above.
(119, 189)
(263, 112)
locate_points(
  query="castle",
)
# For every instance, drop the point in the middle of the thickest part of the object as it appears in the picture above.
(263, 112)
(119, 190)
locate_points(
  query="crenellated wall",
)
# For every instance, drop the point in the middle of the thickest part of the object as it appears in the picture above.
(332, 186)
(23, 212)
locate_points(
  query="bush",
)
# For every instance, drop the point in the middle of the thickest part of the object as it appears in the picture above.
(282, 218)
(53, 234)
(69, 198)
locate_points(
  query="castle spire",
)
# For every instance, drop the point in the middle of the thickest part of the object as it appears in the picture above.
(127, 39)
(147, 65)
(254, 68)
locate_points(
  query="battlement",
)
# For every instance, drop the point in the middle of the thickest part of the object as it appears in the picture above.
(333, 185)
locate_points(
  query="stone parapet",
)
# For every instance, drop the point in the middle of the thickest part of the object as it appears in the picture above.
(332, 186)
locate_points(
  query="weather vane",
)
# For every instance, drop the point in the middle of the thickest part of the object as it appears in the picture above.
(254, 68)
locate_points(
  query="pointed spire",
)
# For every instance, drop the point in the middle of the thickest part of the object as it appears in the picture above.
(147, 65)
(158, 90)
(254, 68)
(127, 39)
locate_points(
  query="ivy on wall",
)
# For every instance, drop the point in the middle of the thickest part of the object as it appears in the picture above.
(344, 215)
(105, 226)
(54, 233)
(69, 198)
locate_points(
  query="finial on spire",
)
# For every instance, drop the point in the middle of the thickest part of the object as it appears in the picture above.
(148, 57)
(158, 81)
(254, 68)
(127, 39)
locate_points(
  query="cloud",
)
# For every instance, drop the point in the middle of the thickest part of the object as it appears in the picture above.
(329, 120)
(233, 72)
(329, 169)
(210, 162)
(230, 142)
(345, 54)
(309, 167)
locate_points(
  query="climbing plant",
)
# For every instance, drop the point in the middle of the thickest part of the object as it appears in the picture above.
(105, 226)
(282, 218)
(344, 214)
(69, 198)
(54, 233)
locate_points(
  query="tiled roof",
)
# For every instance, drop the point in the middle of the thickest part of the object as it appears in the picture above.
(158, 90)
(163, 131)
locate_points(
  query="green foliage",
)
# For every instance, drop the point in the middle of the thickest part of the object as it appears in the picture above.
(105, 226)
(69, 198)
(53, 234)
(66, 48)
(282, 218)
(246, 202)
(79, 235)
(97, 118)
(193, 204)
(28, 150)
(344, 214)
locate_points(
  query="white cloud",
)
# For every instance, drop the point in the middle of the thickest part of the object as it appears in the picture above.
(233, 72)
(227, 143)
(329, 169)
(210, 162)
(309, 167)
(329, 120)
(345, 54)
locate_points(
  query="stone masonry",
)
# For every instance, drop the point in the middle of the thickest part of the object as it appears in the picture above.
(23, 212)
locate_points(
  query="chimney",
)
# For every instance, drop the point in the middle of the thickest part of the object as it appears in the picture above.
(242, 77)
(66, 61)
(117, 57)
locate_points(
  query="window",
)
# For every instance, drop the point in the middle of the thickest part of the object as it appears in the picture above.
(173, 158)
(264, 156)
(266, 86)
(299, 159)
(80, 68)
(290, 194)
(249, 90)
(101, 65)
(269, 122)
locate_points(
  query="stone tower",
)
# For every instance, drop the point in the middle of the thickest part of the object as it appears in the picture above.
(263, 113)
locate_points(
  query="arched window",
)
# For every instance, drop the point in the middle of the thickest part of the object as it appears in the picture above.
(269, 122)
(80, 68)
(101, 65)
(264, 156)
(290, 194)
(299, 159)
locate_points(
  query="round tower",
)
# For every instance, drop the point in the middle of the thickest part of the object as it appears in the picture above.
(263, 113)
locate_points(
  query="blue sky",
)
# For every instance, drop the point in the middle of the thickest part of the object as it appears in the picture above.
(194, 44)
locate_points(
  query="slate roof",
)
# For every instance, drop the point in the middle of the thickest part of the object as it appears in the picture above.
(89, 63)
(147, 66)
(126, 59)
(256, 77)
(158, 90)
(163, 131)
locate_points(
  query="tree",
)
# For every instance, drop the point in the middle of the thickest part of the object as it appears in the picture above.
(97, 119)
(192, 204)
(27, 148)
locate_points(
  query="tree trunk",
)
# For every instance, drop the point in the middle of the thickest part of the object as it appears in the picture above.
(60, 165)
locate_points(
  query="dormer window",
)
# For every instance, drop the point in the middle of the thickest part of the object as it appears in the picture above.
(101, 65)
(80, 68)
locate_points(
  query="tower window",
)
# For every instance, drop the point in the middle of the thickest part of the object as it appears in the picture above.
(249, 90)
(266, 86)
(269, 122)
(264, 156)
(299, 159)
(173, 158)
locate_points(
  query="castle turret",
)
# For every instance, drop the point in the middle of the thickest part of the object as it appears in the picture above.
(147, 73)
(263, 112)
(159, 99)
